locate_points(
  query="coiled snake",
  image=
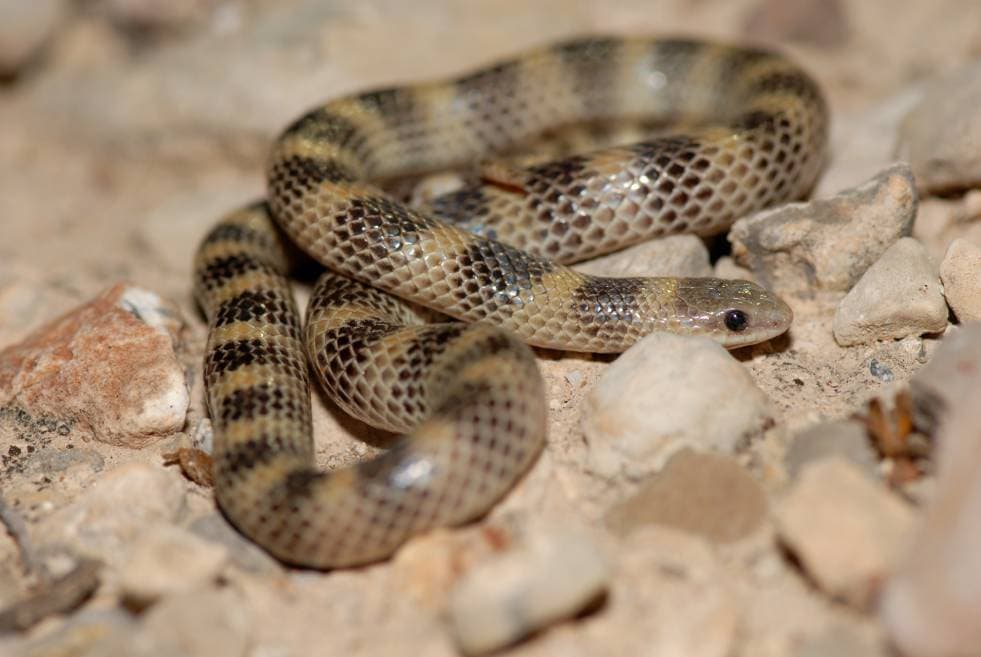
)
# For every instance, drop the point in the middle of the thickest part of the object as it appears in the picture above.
(468, 394)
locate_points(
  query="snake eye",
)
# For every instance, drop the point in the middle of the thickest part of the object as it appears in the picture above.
(736, 320)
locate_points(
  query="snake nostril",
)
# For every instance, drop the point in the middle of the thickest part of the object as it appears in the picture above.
(736, 320)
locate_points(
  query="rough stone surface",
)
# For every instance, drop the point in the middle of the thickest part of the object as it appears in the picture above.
(846, 438)
(709, 495)
(960, 272)
(203, 623)
(847, 531)
(676, 255)
(827, 244)
(933, 602)
(168, 560)
(551, 574)
(108, 366)
(25, 27)
(941, 137)
(943, 383)
(900, 295)
(116, 511)
(665, 392)
(863, 142)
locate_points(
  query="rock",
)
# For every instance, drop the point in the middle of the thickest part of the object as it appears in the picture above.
(941, 136)
(847, 531)
(245, 554)
(863, 143)
(709, 495)
(960, 272)
(827, 244)
(116, 511)
(665, 392)
(108, 366)
(553, 573)
(846, 438)
(726, 267)
(25, 28)
(675, 255)
(168, 560)
(205, 623)
(839, 642)
(900, 295)
(818, 22)
(82, 634)
(932, 603)
(670, 597)
(940, 386)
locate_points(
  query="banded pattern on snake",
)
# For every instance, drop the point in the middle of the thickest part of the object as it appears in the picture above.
(468, 396)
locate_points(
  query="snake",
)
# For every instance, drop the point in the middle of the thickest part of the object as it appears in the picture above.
(728, 130)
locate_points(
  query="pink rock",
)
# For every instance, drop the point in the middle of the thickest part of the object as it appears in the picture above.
(108, 366)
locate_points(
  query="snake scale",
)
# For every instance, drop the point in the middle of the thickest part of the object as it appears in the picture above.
(749, 131)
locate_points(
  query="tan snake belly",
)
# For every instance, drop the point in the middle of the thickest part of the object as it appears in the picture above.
(468, 396)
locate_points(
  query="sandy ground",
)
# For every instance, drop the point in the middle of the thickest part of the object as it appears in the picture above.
(123, 141)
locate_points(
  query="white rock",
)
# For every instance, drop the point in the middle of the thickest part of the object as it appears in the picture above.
(941, 136)
(553, 573)
(932, 604)
(848, 531)
(168, 560)
(960, 272)
(670, 597)
(864, 142)
(116, 511)
(675, 255)
(827, 243)
(666, 392)
(25, 27)
(900, 295)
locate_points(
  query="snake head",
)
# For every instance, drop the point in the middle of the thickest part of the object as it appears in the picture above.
(735, 313)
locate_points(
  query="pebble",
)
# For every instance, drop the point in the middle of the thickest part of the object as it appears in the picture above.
(108, 366)
(116, 511)
(675, 255)
(26, 26)
(709, 495)
(940, 386)
(817, 22)
(845, 438)
(827, 243)
(899, 296)
(213, 528)
(552, 573)
(670, 597)
(203, 623)
(941, 136)
(932, 604)
(167, 560)
(847, 530)
(665, 392)
(960, 272)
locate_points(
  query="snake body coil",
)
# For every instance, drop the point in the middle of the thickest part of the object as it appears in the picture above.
(469, 396)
